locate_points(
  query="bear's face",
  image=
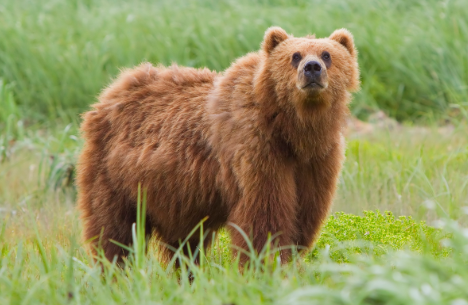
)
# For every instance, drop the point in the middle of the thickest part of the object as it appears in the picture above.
(312, 68)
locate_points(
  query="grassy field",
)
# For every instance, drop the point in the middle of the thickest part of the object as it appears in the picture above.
(375, 258)
(55, 56)
(58, 54)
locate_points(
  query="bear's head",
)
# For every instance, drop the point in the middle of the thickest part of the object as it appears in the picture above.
(311, 70)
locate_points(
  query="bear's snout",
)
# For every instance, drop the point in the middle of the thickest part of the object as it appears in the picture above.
(312, 69)
(313, 76)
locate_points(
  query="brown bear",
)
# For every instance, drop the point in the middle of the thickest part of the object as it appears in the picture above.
(259, 146)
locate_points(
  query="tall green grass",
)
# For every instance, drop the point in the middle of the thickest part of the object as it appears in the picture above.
(371, 259)
(58, 54)
(48, 268)
(409, 171)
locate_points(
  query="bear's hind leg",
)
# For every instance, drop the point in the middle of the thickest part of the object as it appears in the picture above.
(105, 229)
(102, 231)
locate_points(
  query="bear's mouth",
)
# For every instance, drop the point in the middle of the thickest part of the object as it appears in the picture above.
(313, 84)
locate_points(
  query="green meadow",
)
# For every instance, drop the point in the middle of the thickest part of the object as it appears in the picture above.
(398, 230)
(59, 54)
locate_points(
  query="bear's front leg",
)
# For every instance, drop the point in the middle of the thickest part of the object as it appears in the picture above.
(316, 184)
(268, 207)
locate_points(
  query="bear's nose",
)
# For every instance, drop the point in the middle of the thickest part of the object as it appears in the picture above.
(312, 68)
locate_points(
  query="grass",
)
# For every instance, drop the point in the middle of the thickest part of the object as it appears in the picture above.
(50, 268)
(58, 54)
(406, 171)
(377, 233)
(360, 258)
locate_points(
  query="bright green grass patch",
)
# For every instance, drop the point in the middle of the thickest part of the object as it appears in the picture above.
(377, 233)
(60, 53)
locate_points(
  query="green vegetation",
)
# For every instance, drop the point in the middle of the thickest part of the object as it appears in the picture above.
(378, 233)
(51, 268)
(58, 54)
(376, 258)
(419, 171)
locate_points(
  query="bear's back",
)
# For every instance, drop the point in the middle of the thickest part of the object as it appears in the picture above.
(144, 102)
(151, 122)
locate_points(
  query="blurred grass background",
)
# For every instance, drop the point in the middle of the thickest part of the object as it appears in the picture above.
(58, 54)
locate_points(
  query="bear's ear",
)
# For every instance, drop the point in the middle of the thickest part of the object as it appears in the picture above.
(273, 37)
(344, 37)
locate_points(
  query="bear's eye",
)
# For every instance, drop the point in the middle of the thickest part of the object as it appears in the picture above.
(325, 55)
(296, 58)
(327, 59)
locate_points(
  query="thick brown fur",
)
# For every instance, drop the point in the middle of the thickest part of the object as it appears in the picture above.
(249, 146)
